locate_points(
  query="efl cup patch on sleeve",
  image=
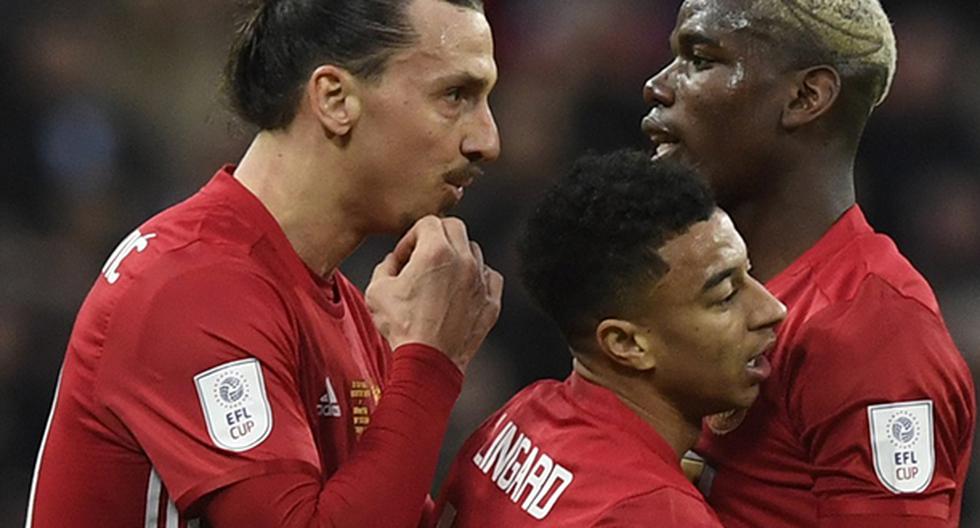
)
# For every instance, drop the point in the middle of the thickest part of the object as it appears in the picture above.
(902, 444)
(235, 405)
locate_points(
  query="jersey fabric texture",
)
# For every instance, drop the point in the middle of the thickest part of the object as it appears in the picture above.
(569, 454)
(863, 332)
(205, 354)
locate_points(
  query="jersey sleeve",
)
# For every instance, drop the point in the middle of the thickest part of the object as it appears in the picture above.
(884, 405)
(199, 370)
(665, 507)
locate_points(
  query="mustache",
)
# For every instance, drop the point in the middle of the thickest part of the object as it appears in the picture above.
(463, 174)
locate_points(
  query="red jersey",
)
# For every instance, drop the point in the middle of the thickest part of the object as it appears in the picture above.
(870, 410)
(206, 353)
(569, 454)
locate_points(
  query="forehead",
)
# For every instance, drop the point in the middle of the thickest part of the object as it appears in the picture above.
(721, 19)
(705, 250)
(452, 40)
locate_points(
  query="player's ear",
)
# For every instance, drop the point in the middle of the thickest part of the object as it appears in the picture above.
(332, 94)
(813, 93)
(626, 344)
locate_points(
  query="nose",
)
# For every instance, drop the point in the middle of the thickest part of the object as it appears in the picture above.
(656, 91)
(767, 311)
(482, 142)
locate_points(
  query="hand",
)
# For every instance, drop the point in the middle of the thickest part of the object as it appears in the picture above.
(435, 289)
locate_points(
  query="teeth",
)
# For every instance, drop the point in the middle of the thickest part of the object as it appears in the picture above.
(752, 363)
(663, 148)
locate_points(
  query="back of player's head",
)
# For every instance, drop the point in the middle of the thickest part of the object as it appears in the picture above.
(280, 42)
(594, 237)
(853, 36)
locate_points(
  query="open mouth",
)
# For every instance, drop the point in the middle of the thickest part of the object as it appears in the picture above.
(664, 142)
(662, 150)
(758, 366)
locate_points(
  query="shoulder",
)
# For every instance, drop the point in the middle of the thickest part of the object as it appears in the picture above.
(879, 319)
(874, 258)
(881, 345)
(669, 506)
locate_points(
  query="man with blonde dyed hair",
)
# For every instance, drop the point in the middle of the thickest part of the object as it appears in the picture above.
(867, 420)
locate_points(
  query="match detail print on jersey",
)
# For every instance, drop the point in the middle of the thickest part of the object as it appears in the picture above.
(236, 408)
(903, 445)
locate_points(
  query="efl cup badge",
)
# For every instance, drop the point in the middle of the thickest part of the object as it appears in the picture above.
(902, 444)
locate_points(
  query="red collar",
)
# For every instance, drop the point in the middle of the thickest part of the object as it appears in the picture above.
(849, 226)
(603, 404)
(253, 211)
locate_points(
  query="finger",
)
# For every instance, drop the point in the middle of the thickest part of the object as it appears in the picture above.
(405, 246)
(478, 255)
(495, 284)
(426, 235)
(389, 267)
(455, 231)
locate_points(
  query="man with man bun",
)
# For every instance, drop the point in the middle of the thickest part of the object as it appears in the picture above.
(222, 372)
(868, 418)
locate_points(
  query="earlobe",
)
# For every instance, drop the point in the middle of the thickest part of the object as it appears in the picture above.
(625, 344)
(333, 98)
(815, 91)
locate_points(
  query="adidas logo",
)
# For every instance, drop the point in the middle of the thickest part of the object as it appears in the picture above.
(329, 406)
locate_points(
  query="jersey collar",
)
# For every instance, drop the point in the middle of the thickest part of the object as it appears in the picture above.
(608, 408)
(848, 227)
(254, 212)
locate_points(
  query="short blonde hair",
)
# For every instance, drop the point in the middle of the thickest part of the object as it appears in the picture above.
(855, 35)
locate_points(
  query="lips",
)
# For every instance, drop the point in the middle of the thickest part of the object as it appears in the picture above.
(664, 141)
(463, 177)
(459, 179)
(758, 366)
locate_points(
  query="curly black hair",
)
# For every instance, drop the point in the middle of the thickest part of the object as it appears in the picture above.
(598, 231)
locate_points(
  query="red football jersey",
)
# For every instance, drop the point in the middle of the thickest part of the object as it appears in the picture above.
(569, 454)
(206, 353)
(870, 409)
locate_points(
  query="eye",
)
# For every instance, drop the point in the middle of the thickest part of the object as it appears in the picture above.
(700, 63)
(730, 298)
(454, 94)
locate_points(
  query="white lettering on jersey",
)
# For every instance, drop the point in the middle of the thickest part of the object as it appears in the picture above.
(902, 444)
(235, 405)
(136, 241)
(518, 466)
(329, 406)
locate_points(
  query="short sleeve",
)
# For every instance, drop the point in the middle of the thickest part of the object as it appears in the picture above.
(883, 403)
(665, 508)
(199, 367)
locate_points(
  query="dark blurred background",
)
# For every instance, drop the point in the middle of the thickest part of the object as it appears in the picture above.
(110, 110)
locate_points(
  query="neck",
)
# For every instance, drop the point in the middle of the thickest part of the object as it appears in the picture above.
(780, 225)
(285, 172)
(680, 432)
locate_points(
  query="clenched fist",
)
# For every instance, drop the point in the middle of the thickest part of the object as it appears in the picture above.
(435, 289)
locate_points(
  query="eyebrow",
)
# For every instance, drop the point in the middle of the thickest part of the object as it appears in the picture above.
(717, 279)
(466, 79)
(689, 39)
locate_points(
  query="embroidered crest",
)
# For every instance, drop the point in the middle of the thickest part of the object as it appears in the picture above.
(235, 405)
(902, 444)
